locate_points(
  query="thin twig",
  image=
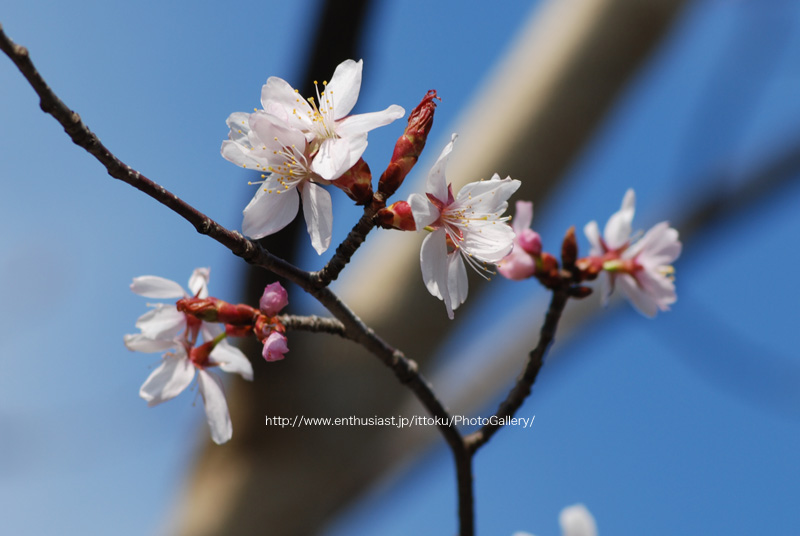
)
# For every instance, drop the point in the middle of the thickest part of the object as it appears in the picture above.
(522, 388)
(350, 245)
(313, 323)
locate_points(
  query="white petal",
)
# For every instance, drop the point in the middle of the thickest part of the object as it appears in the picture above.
(232, 360)
(335, 156)
(486, 197)
(238, 122)
(437, 181)
(168, 380)
(269, 211)
(592, 232)
(161, 322)
(577, 521)
(152, 286)
(363, 123)
(618, 228)
(640, 299)
(424, 212)
(275, 134)
(242, 155)
(318, 212)
(488, 241)
(278, 94)
(198, 282)
(606, 287)
(344, 86)
(659, 246)
(523, 216)
(219, 420)
(457, 282)
(435, 268)
(140, 343)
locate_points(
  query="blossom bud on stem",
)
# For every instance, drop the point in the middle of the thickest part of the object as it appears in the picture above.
(356, 183)
(216, 310)
(396, 216)
(409, 146)
(569, 250)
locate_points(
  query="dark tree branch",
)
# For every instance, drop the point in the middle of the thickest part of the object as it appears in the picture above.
(522, 388)
(313, 323)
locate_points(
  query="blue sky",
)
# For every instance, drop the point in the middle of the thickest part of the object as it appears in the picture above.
(687, 424)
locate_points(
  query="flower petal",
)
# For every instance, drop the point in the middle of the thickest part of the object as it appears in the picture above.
(198, 282)
(437, 181)
(433, 261)
(277, 94)
(140, 343)
(488, 241)
(592, 232)
(343, 89)
(219, 420)
(638, 297)
(270, 210)
(318, 213)
(168, 380)
(162, 322)
(362, 123)
(337, 155)
(424, 212)
(152, 286)
(457, 283)
(523, 216)
(618, 229)
(232, 360)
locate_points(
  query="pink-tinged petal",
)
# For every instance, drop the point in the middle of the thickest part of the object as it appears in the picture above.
(457, 283)
(437, 181)
(152, 286)
(275, 347)
(592, 232)
(344, 86)
(277, 94)
(523, 216)
(231, 360)
(275, 133)
(529, 241)
(618, 229)
(354, 125)
(269, 211)
(423, 211)
(318, 213)
(433, 261)
(161, 322)
(219, 420)
(168, 380)
(577, 521)
(638, 297)
(335, 156)
(140, 343)
(659, 246)
(198, 282)
(517, 265)
(658, 286)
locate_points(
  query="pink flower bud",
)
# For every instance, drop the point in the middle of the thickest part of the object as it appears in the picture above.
(530, 241)
(397, 216)
(517, 265)
(275, 347)
(274, 299)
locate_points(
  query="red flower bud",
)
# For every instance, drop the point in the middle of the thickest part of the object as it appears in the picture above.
(409, 146)
(396, 216)
(356, 183)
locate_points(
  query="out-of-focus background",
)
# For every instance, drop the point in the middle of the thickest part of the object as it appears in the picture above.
(687, 424)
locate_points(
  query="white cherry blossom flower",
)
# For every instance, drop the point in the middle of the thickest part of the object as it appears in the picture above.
(266, 143)
(165, 329)
(470, 227)
(337, 140)
(642, 268)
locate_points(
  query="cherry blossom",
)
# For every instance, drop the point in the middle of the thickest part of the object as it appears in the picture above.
(266, 143)
(165, 329)
(575, 520)
(337, 140)
(467, 227)
(642, 268)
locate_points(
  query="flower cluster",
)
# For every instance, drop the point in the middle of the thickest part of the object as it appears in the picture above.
(176, 329)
